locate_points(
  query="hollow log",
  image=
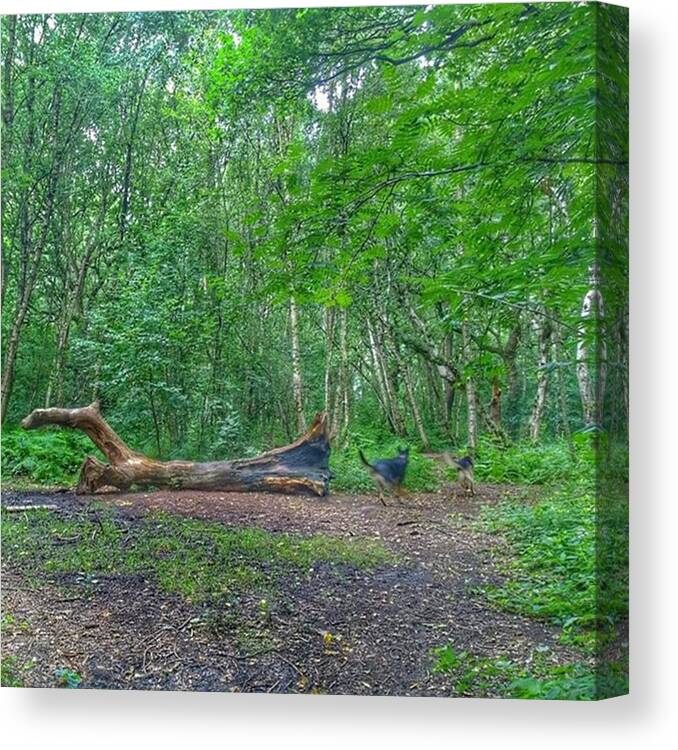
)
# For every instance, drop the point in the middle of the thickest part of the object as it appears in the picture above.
(299, 468)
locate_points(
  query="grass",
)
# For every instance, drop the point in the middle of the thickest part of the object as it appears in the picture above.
(196, 559)
(541, 680)
(525, 463)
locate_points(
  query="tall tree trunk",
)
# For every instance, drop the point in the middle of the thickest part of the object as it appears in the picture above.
(509, 354)
(10, 356)
(416, 416)
(383, 378)
(341, 403)
(23, 302)
(591, 353)
(73, 303)
(562, 386)
(345, 374)
(7, 121)
(31, 248)
(129, 152)
(448, 389)
(544, 329)
(329, 363)
(297, 382)
(495, 406)
(471, 397)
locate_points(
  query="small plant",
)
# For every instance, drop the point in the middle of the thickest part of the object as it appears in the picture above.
(67, 678)
(543, 463)
(553, 570)
(10, 672)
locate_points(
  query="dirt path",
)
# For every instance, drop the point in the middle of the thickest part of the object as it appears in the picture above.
(334, 629)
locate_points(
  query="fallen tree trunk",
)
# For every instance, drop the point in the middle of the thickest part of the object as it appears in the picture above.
(299, 468)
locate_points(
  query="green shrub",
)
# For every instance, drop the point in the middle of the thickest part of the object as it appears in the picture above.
(47, 456)
(10, 672)
(543, 463)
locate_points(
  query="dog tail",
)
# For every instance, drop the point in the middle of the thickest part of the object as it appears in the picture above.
(363, 459)
(450, 460)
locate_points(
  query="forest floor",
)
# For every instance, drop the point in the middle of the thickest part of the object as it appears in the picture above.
(330, 627)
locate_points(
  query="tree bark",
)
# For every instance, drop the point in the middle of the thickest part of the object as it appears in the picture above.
(492, 414)
(591, 353)
(562, 386)
(300, 468)
(329, 362)
(542, 380)
(495, 405)
(416, 416)
(345, 376)
(471, 398)
(512, 410)
(384, 377)
(296, 367)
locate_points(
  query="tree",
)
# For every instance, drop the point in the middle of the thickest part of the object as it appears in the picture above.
(219, 223)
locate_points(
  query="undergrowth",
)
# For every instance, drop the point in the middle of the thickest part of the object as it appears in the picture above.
(52, 457)
(553, 570)
(540, 679)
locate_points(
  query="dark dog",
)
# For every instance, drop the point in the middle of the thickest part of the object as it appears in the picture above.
(465, 468)
(388, 473)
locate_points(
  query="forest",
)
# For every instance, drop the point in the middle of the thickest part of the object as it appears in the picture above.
(411, 220)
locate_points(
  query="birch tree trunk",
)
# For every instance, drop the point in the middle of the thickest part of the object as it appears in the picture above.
(416, 416)
(544, 332)
(345, 374)
(471, 397)
(384, 379)
(591, 353)
(297, 383)
(329, 364)
(562, 386)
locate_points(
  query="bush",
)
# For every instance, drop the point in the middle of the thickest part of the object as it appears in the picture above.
(527, 463)
(47, 456)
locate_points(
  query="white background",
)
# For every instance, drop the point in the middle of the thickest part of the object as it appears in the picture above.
(646, 718)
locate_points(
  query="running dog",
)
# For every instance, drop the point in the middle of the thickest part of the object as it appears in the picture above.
(388, 473)
(464, 467)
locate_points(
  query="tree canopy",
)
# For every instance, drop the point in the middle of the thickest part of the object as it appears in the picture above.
(221, 222)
